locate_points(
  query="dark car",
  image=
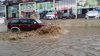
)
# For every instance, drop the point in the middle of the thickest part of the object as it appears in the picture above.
(43, 14)
(24, 24)
(68, 15)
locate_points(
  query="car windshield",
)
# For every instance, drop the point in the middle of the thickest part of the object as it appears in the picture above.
(39, 21)
(66, 14)
(90, 12)
(50, 13)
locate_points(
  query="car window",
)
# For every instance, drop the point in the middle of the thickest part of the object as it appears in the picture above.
(33, 22)
(66, 14)
(15, 21)
(38, 21)
(50, 13)
(95, 11)
(23, 21)
(90, 12)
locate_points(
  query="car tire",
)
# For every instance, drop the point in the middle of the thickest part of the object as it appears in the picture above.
(98, 18)
(15, 30)
(86, 17)
(67, 17)
(73, 17)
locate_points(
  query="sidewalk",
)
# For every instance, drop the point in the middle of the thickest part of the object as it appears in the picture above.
(3, 27)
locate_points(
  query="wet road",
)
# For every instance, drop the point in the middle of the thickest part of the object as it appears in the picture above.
(78, 42)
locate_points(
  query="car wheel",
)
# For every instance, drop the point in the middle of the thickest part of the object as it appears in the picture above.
(67, 17)
(73, 17)
(15, 30)
(98, 18)
(8, 30)
(86, 17)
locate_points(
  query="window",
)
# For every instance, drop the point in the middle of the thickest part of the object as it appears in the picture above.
(33, 22)
(15, 21)
(13, 11)
(27, 14)
(24, 21)
(2, 14)
(2, 11)
(38, 21)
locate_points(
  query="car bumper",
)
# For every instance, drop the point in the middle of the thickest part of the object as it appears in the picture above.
(92, 17)
(49, 17)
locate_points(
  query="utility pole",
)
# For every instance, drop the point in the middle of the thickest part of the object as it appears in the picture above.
(54, 4)
(76, 8)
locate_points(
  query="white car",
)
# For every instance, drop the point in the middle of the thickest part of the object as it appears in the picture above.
(50, 15)
(92, 14)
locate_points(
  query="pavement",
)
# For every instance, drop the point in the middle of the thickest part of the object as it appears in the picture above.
(3, 27)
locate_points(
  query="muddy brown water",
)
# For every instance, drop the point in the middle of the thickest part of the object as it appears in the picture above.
(77, 42)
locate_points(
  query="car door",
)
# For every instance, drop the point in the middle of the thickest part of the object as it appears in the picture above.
(13, 23)
(24, 25)
(34, 24)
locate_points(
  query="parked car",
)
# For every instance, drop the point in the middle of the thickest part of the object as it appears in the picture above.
(43, 14)
(51, 15)
(24, 24)
(68, 15)
(60, 13)
(92, 14)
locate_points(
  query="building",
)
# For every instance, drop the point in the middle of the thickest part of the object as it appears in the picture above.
(86, 5)
(25, 8)
(2, 12)
(13, 10)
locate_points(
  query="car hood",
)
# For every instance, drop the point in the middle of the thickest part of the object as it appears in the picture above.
(49, 15)
(94, 14)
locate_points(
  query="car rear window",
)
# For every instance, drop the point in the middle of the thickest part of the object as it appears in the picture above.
(14, 21)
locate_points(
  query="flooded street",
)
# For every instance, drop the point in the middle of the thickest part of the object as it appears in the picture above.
(77, 42)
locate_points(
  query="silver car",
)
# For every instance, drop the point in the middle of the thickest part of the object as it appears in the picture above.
(92, 14)
(50, 15)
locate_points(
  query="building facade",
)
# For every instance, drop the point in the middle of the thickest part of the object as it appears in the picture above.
(86, 5)
(25, 8)
(2, 12)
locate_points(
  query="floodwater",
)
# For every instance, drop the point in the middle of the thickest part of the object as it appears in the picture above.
(77, 42)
